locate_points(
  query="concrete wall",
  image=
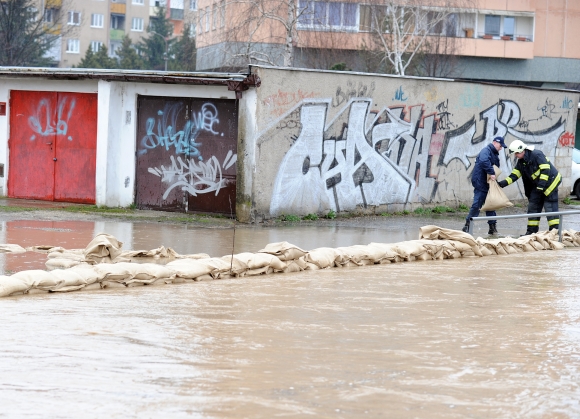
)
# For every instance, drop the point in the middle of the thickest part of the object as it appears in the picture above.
(338, 141)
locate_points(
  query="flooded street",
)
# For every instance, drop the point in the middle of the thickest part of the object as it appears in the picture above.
(492, 337)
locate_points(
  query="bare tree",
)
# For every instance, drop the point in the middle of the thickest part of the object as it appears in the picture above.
(28, 30)
(261, 32)
(402, 30)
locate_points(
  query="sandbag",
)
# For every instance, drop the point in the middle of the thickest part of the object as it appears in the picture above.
(10, 286)
(284, 251)
(193, 268)
(103, 248)
(323, 257)
(11, 248)
(62, 263)
(496, 198)
(40, 279)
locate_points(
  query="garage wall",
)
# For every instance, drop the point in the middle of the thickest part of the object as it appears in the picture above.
(116, 137)
(340, 141)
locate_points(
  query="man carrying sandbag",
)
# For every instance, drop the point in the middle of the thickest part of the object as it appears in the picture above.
(486, 159)
(541, 181)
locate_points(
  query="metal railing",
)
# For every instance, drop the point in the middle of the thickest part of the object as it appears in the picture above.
(560, 215)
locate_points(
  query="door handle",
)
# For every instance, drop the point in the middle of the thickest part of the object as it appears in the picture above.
(49, 143)
(54, 159)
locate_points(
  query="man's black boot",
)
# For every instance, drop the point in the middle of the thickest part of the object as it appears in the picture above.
(465, 228)
(492, 229)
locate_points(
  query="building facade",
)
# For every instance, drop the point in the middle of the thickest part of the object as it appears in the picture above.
(530, 42)
(94, 23)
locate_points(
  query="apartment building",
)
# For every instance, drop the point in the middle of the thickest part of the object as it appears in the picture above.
(530, 42)
(95, 23)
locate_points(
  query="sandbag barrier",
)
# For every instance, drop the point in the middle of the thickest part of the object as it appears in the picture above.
(102, 264)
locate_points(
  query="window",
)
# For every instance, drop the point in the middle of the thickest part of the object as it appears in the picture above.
(118, 22)
(137, 24)
(192, 30)
(222, 13)
(492, 25)
(49, 15)
(97, 20)
(176, 14)
(201, 19)
(207, 18)
(73, 46)
(138, 2)
(114, 48)
(509, 24)
(96, 45)
(328, 14)
(214, 16)
(74, 18)
(193, 5)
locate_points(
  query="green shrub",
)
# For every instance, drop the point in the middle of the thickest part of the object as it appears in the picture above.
(311, 217)
(331, 215)
(289, 217)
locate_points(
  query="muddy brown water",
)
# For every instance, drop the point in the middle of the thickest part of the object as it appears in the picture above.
(493, 337)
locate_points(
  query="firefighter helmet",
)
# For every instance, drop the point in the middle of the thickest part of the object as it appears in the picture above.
(517, 146)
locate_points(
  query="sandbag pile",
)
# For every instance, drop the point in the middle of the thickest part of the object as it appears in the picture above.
(103, 264)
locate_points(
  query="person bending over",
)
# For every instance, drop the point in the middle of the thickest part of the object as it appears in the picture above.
(486, 159)
(541, 181)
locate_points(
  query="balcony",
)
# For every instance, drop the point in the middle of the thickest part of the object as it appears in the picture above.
(116, 34)
(119, 8)
(53, 4)
(496, 47)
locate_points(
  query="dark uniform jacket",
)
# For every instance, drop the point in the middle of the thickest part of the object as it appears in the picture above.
(537, 173)
(484, 162)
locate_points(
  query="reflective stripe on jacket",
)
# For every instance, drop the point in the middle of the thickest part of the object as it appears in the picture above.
(537, 172)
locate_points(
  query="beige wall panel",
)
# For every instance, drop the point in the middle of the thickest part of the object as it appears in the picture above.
(493, 4)
(572, 37)
(349, 141)
(489, 48)
(517, 49)
(555, 38)
(540, 35)
(520, 5)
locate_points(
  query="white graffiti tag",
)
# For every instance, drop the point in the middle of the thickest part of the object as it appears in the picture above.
(42, 122)
(194, 177)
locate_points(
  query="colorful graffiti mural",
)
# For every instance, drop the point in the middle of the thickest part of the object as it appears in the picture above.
(368, 156)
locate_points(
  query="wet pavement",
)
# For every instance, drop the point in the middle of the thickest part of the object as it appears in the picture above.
(493, 337)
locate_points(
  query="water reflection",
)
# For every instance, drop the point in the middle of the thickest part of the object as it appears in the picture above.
(477, 337)
(182, 238)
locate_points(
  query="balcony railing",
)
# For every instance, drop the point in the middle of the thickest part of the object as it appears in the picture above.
(116, 34)
(504, 37)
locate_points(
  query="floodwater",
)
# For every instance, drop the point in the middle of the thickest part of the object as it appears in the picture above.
(492, 337)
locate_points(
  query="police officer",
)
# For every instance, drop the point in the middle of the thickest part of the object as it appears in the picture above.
(486, 159)
(541, 181)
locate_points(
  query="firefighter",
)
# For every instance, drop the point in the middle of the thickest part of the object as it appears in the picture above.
(541, 181)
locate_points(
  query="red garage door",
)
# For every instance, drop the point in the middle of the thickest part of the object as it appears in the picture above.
(53, 141)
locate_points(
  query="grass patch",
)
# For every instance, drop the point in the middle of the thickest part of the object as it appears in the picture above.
(16, 209)
(462, 208)
(95, 208)
(310, 217)
(331, 215)
(289, 217)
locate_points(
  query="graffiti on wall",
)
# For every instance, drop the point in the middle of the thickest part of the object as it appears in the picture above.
(45, 122)
(194, 177)
(365, 156)
(193, 167)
